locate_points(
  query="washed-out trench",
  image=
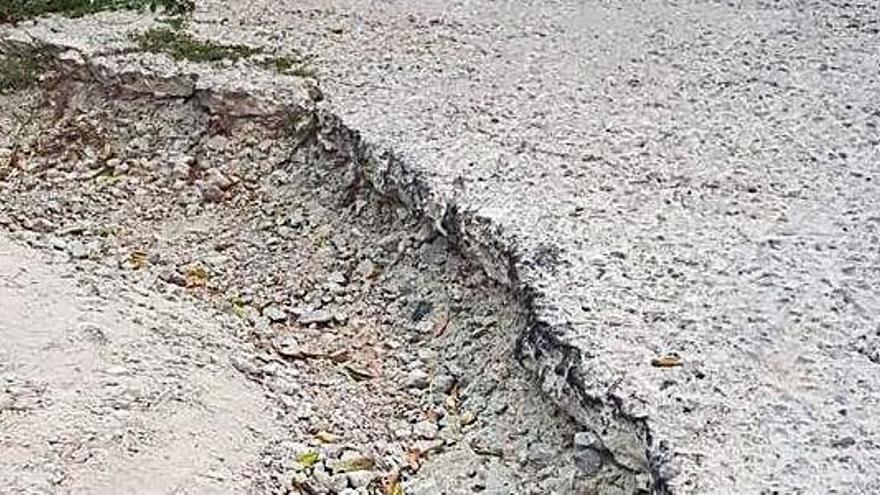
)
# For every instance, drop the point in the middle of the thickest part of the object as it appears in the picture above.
(387, 328)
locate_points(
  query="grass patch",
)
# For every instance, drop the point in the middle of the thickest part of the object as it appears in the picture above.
(12, 11)
(296, 66)
(21, 67)
(182, 46)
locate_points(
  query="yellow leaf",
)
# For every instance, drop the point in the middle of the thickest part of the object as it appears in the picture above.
(138, 259)
(393, 487)
(238, 308)
(308, 459)
(667, 361)
(196, 277)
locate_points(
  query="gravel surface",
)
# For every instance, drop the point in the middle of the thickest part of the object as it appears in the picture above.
(688, 191)
(108, 387)
(697, 178)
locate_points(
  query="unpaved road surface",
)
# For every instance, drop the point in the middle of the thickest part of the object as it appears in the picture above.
(107, 387)
(685, 195)
(698, 178)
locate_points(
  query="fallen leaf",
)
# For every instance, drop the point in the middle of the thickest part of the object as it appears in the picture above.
(238, 308)
(467, 418)
(356, 464)
(667, 361)
(308, 459)
(138, 259)
(358, 374)
(453, 399)
(325, 437)
(451, 403)
(394, 488)
(441, 324)
(414, 458)
(196, 277)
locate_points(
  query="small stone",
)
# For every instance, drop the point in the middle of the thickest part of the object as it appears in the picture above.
(444, 382)
(78, 250)
(425, 429)
(275, 314)
(338, 482)
(40, 225)
(320, 317)
(210, 192)
(59, 244)
(172, 276)
(417, 378)
(180, 166)
(588, 452)
(116, 370)
(401, 430)
(244, 365)
(358, 479)
(322, 477)
(217, 179)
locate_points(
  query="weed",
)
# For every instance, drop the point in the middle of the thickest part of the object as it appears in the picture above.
(19, 10)
(296, 66)
(182, 46)
(20, 67)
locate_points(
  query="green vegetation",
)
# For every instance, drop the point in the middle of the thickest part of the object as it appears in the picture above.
(296, 66)
(19, 10)
(20, 67)
(182, 46)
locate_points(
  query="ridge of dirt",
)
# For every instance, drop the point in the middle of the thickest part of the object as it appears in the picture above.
(241, 159)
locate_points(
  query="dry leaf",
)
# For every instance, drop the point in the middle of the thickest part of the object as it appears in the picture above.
(394, 488)
(138, 259)
(325, 437)
(441, 324)
(238, 308)
(451, 403)
(414, 458)
(356, 464)
(667, 361)
(196, 277)
(358, 374)
(467, 418)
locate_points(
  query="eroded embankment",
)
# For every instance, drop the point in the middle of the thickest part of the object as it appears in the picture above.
(209, 124)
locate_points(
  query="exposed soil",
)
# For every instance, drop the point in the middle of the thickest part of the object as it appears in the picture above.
(375, 358)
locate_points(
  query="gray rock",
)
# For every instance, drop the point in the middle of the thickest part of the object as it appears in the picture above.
(417, 378)
(218, 179)
(319, 317)
(444, 382)
(359, 479)
(425, 429)
(274, 313)
(78, 250)
(588, 452)
(210, 192)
